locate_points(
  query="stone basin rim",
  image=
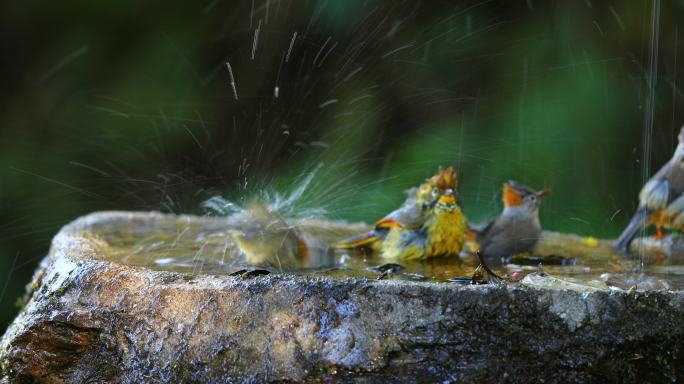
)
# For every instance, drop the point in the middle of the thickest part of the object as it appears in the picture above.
(95, 318)
(62, 247)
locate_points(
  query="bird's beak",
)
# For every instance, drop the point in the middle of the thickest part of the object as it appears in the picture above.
(543, 192)
(447, 197)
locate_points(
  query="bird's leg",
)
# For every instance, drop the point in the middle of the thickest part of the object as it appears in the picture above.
(486, 268)
(659, 232)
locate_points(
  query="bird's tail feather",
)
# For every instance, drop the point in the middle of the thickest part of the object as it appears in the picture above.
(622, 243)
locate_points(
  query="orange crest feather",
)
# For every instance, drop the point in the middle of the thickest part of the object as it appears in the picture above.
(511, 197)
(446, 179)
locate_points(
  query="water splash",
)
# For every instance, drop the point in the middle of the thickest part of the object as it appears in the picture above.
(649, 112)
(217, 205)
(295, 204)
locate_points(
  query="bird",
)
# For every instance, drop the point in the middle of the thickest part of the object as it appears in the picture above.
(429, 223)
(266, 239)
(410, 215)
(517, 229)
(661, 200)
(262, 237)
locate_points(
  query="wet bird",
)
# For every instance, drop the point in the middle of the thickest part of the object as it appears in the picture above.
(429, 223)
(263, 238)
(661, 200)
(266, 239)
(410, 215)
(517, 229)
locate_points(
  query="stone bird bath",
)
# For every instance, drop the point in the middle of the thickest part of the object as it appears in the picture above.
(95, 315)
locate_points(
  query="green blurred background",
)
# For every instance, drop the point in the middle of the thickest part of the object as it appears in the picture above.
(129, 106)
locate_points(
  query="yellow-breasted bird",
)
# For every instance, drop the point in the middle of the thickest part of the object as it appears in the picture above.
(517, 229)
(428, 224)
(262, 237)
(411, 214)
(661, 200)
(267, 240)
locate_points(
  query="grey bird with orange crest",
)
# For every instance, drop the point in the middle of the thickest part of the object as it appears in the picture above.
(661, 200)
(517, 229)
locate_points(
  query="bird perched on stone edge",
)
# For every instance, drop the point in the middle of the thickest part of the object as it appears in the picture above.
(517, 229)
(661, 200)
(429, 223)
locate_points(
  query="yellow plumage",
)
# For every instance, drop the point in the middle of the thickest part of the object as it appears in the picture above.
(443, 234)
(446, 234)
(429, 224)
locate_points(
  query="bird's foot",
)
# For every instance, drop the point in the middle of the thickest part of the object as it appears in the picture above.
(659, 234)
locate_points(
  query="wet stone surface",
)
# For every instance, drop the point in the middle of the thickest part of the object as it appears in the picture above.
(93, 318)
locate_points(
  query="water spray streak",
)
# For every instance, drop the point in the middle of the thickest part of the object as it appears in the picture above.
(232, 80)
(289, 50)
(652, 76)
(352, 73)
(409, 45)
(327, 102)
(255, 43)
(327, 54)
(251, 15)
(62, 63)
(321, 50)
(268, 5)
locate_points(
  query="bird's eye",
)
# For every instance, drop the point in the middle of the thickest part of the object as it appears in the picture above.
(435, 191)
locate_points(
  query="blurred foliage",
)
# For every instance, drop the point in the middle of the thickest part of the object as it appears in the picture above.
(129, 106)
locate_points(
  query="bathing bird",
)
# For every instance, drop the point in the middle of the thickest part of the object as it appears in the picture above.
(661, 200)
(429, 223)
(517, 229)
(266, 239)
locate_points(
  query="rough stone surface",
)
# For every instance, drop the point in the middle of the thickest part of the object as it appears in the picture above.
(95, 321)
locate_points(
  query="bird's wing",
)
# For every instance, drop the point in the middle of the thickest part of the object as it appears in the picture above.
(507, 236)
(655, 194)
(395, 219)
(364, 239)
(675, 210)
(405, 217)
(409, 215)
(676, 179)
(387, 223)
(490, 234)
(666, 190)
(480, 229)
